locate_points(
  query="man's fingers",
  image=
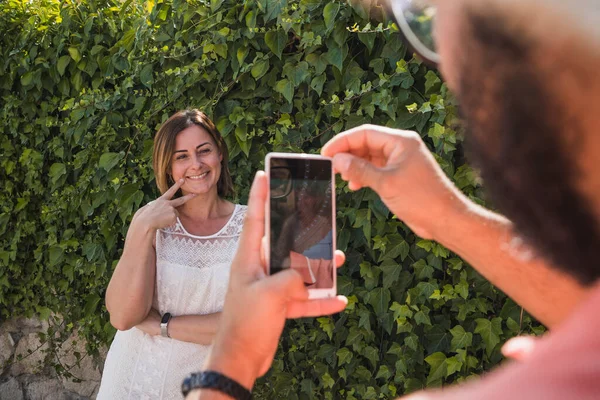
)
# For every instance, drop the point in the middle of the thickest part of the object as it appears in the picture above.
(340, 258)
(357, 171)
(288, 284)
(173, 189)
(316, 308)
(519, 348)
(182, 200)
(366, 141)
(254, 225)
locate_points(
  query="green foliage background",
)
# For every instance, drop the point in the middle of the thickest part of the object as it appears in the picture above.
(83, 88)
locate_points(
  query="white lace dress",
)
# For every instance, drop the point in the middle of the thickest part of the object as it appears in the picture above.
(192, 273)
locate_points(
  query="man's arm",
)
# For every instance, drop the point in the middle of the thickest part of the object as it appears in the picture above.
(400, 168)
(486, 241)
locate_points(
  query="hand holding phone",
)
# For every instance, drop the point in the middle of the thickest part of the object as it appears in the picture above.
(300, 219)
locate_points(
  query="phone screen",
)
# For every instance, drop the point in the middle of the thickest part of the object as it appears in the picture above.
(301, 214)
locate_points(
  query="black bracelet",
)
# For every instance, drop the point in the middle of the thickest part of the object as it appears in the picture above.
(215, 381)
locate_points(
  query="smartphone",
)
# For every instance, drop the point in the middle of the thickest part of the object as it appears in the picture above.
(300, 219)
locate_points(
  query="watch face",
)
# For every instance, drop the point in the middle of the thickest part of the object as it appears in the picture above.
(165, 318)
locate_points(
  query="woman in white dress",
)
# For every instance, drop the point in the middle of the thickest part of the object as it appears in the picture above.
(176, 260)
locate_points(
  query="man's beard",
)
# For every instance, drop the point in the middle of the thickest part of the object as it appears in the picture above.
(517, 135)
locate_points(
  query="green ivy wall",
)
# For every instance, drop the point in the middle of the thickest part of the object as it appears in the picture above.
(84, 86)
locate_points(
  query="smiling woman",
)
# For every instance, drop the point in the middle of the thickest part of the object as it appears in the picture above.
(167, 291)
(183, 139)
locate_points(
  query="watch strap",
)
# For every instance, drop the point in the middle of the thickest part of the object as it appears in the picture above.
(215, 381)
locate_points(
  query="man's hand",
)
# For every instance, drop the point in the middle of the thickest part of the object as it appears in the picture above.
(257, 305)
(400, 168)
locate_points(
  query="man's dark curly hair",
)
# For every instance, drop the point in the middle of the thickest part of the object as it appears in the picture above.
(525, 146)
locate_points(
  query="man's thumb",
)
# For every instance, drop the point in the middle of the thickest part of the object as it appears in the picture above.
(357, 171)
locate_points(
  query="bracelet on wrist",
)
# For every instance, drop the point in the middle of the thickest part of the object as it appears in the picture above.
(215, 381)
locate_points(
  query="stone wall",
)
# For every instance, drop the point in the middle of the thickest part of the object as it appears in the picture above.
(25, 377)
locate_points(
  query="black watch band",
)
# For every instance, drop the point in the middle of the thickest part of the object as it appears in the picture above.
(215, 381)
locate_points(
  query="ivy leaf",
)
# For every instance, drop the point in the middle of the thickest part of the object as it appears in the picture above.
(146, 76)
(462, 288)
(370, 394)
(380, 300)
(327, 381)
(75, 55)
(62, 63)
(391, 272)
(454, 365)
(423, 270)
(259, 69)
(335, 55)
(371, 354)
(276, 41)
(27, 78)
(425, 244)
(490, 332)
(439, 368)
(427, 288)
(44, 313)
(251, 19)
(460, 338)
(422, 319)
(513, 326)
(300, 73)
(354, 337)
(412, 341)
(432, 82)
(56, 254)
(384, 372)
(57, 170)
(368, 39)
(329, 13)
(91, 304)
(317, 83)
(286, 88)
(344, 356)
(318, 62)
(326, 324)
(109, 160)
(438, 339)
(91, 251)
(396, 350)
(307, 386)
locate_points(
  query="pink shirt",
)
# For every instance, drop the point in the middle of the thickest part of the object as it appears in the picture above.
(564, 365)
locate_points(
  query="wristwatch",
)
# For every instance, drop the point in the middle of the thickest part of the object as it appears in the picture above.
(164, 325)
(215, 381)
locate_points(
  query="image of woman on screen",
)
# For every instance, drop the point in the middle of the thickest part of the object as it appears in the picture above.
(302, 236)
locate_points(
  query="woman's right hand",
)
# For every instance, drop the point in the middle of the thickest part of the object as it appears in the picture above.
(162, 212)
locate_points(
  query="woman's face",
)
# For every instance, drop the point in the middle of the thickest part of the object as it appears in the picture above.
(197, 159)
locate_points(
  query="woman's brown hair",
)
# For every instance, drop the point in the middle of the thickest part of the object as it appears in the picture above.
(164, 146)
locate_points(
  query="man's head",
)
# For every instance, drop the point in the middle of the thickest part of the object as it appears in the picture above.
(525, 75)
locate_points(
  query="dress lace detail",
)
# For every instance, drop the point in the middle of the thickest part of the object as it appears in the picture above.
(192, 273)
